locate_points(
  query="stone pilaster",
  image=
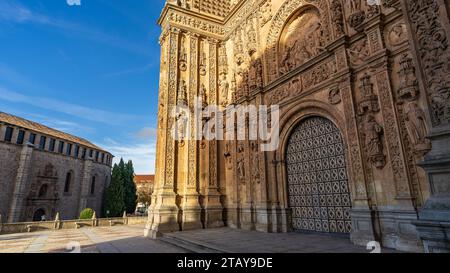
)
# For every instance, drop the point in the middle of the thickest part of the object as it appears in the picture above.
(213, 206)
(429, 28)
(361, 213)
(163, 214)
(190, 205)
(17, 208)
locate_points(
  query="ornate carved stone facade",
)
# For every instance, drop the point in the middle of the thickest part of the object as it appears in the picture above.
(377, 74)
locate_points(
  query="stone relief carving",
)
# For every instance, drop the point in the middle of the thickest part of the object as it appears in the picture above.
(337, 16)
(182, 93)
(373, 140)
(228, 157)
(397, 34)
(408, 82)
(358, 52)
(224, 87)
(334, 95)
(203, 59)
(255, 163)
(435, 56)
(241, 163)
(301, 40)
(265, 12)
(316, 75)
(276, 50)
(183, 54)
(416, 127)
(369, 101)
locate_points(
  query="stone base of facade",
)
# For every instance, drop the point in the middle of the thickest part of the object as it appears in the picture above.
(435, 236)
(398, 231)
(192, 218)
(363, 230)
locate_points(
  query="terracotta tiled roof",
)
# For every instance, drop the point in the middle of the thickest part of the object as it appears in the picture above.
(141, 179)
(34, 126)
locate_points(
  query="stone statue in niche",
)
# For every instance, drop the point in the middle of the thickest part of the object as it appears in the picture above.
(202, 66)
(373, 140)
(182, 93)
(255, 73)
(223, 89)
(415, 125)
(408, 82)
(251, 37)
(204, 96)
(181, 128)
(337, 16)
(183, 54)
(241, 169)
(369, 101)
(233, 88)
(301, 40)
(227, 155)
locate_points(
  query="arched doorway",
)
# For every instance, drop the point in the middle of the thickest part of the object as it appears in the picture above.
(38, 215)
(319, 195)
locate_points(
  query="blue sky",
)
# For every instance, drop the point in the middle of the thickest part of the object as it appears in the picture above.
(90, 70)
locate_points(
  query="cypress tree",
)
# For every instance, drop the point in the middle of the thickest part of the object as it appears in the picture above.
(130, 188)
(114, 201)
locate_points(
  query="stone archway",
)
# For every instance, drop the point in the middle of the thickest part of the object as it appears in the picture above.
(37, 216)
(317, 181)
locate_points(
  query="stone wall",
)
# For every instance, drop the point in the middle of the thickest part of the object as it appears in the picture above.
(11, 228)
(9, 158)
(24, 169)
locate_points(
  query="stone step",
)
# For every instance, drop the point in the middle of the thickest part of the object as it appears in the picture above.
(189, 245)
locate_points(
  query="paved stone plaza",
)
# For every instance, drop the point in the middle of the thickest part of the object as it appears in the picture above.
(129, 239)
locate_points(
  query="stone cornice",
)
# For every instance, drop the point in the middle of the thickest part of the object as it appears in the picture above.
(206, 24)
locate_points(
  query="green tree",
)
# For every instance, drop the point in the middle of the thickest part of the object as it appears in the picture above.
(130, 188)
(115, 193)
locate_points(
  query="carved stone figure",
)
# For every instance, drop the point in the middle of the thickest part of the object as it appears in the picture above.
(337, 17)
(241, 169)
(183, 54)
(408, 82)
(373, 139)
(182, 93)
(223, 89)
(204, 96)
(182, 121)
(415, 125)
(369, 101)
(334, 95)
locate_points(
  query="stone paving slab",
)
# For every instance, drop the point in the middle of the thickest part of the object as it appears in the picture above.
(130, 239)
(242, 241)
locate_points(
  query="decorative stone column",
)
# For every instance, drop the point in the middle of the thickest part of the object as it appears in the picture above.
(429, 29)
(21, 184)
(190, 204)
(163, 214)
(213, 206)
(361, 213)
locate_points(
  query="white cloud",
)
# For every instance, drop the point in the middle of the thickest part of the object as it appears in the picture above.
(79, 111)
(73, 2)
(16, 13)
(142, 154)
(146, 133)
